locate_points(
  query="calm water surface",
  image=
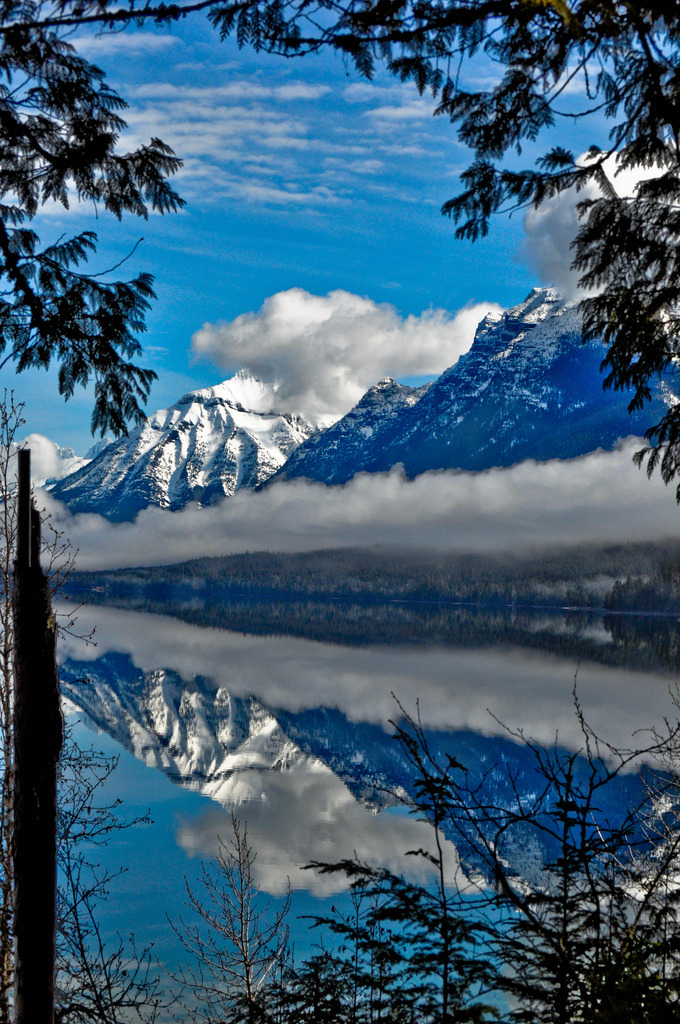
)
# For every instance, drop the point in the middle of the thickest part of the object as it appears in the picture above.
(294, 736)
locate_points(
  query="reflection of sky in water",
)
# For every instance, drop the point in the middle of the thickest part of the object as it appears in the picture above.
(152, 883)
(305, 812)
(158, 857)
(301, 816)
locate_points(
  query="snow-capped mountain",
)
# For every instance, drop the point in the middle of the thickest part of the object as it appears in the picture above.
(209, 444)
(346, 442)
(52, 461)
(196, 733)
(527, 389)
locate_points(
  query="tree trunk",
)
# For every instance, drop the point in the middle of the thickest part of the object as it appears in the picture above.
(37, 742)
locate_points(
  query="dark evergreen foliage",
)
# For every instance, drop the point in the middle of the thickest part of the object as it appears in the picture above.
(591, 934)
(60, 124)
(658, 591)
(315, 992)
(416, 952)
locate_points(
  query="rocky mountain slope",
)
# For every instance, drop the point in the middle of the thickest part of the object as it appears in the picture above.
(208, 445)
(328, 455)
(527, 389)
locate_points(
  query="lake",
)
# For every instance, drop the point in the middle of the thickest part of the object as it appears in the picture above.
(294, 736)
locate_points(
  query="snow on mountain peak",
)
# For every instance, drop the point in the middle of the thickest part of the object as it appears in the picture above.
(211, 443)
(243, 391)
(527, 388)
(539, 303)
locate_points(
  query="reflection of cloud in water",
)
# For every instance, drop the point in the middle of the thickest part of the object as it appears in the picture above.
(302, 815)
(456, 687)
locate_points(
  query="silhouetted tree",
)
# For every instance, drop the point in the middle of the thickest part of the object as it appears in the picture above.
(589, 931)
(315, 993)
(416, 952)
(428, 951)
(235, 944)
(96, 979)
(59, 136)
(99, 980)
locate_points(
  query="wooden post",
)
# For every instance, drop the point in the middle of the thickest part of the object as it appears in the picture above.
(37, 742)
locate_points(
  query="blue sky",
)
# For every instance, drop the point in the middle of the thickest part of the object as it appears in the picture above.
(297, 174)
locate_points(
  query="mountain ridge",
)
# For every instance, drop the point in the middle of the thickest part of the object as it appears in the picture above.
(205, 447)
(528, 388)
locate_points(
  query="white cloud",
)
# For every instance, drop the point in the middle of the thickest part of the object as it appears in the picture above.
(237, 143)
(262, 193)
(549, 232)
(365, 92)
(300, 91)
(125, 44)
(45, 461)
(327, 350)
(298, 816)
(243, 89)
(235, 127)
(416, 110)
(48, 460)
(552, 227)
(201, 125)
(343, 165)
(396, 102)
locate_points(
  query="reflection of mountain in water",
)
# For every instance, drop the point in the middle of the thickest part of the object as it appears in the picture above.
(202, 736)
(209, 740)
(196, 733)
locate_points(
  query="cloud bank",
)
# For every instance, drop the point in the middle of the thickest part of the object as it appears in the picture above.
(325, 351)
(600, 498)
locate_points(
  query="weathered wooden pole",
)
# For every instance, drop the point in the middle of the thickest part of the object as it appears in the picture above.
(37, 742)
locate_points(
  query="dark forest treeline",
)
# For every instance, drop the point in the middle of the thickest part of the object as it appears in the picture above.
(658, 591)
(549, 601)
(576, 577)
